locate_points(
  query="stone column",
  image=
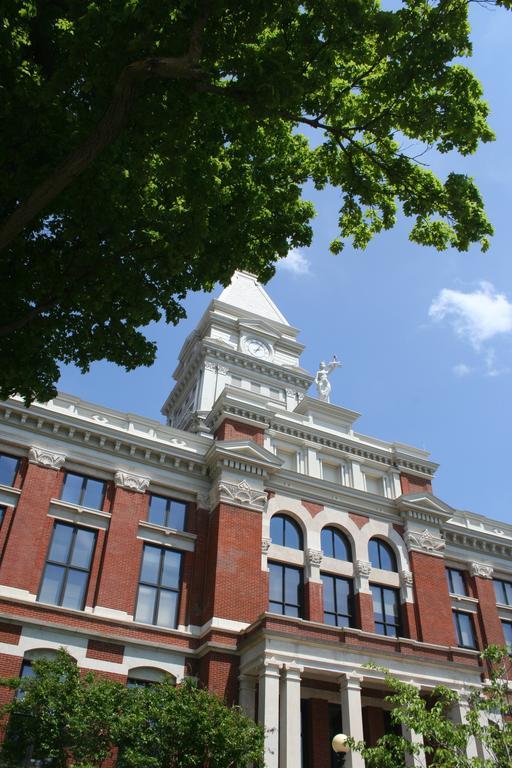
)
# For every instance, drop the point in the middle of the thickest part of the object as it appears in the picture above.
(352, 715)
(268, 710)
(247, 695)
(458, 713)
(290, 721)
(414, 760)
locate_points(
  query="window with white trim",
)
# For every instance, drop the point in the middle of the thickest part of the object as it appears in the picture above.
(66, 574)
(8, 468)
(83, 490)
(159, 587)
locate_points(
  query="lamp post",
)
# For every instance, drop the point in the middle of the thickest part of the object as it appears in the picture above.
(339, 745)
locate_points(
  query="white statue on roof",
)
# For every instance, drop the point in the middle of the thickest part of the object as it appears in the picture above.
(323, 385)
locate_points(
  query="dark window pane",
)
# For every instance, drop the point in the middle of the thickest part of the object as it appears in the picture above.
(276, 582)
(503, 590)
(74, 593)
(151, 565)
(61, 543)
(167, 609)
(171, 569)
(292, 585)
(146, 604)
(2, 514)
(291, 610)
(277, 530)
(377, 603)
(275, 607)
(8, 468)
(507, 631)
(177, 515)
(157, 510)
(390, 604)
(335, 544)
(373, 552)
(341, 551)
(327, 542)
(456, 583)
(386, 558)
(292, 535)
(93, 494)
(464, 629)
(329, 604)
(52, 582)
(381, 555)
(343, 596)
(72, 488)
(330, 618)
(83, 548)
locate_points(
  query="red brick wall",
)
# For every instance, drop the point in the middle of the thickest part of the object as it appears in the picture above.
(235, 430)
(235, 587)
(409, 620)
(488, 620)
(434, 612)
(364, 612)
(29, 535)
(10, 666)
(105, 651)
(10, 633)
(359, 520)
(413, 484)
(219, 673)
(313, 601)
(319, 736)
(312, 508)
(117, 588)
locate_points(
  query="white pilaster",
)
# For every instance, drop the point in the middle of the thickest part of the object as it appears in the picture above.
(458, 713)
(417, 760)
(352, 715)
(268, 710)
(290, 755)
(357, 476)
(247, 697)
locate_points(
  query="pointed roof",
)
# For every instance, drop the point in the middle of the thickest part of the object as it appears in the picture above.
(245, 292)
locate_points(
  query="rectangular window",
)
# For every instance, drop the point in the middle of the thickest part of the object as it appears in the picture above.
(289, 459)
(374, 484)
(167, 512)
(456, 581)
(338, 601)
(507, 631)
(66, 574)
(159, 587)
(82, 490)
(464, 629)
(285, 590)
(331, 472)
(386, 610)
(503, 590)
(8, 468)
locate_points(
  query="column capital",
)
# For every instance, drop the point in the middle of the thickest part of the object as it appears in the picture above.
(293, 671)
(270, 668)
(350, 680)
(131, 482)
(483, 570)
(46, 458)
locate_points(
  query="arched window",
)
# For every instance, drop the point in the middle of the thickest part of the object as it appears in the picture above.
(381, 555)
(144, 677)
(285, 532)
(335, 544)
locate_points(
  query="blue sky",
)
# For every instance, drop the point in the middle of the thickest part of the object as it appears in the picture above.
(425, 338)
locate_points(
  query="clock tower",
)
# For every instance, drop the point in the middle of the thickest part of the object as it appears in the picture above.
(242, 342)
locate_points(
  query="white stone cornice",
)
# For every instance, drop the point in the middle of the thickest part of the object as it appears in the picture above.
(131, 482)
(46, 458)
(425, 541)
(483, 570)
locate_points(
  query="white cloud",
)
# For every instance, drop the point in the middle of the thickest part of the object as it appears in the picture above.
(476, 316)
(295, 263)
(461, 369)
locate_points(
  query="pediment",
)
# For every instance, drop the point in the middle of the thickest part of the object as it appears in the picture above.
(258, 327)
(246, 451)
(422, 504)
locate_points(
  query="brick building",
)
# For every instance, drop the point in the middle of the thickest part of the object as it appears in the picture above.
(255, 541)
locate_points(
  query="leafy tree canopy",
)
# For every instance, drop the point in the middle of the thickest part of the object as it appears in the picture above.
(487, 724)
(64, 717)
(150, 148)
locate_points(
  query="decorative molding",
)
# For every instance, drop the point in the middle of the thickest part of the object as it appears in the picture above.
(406, 578)
(131, 482)
(482, 569)
(203, 500)
(315, 557)
(46, 458)
(243, 493)
(265, 545)
(363, 568)
(425, 540)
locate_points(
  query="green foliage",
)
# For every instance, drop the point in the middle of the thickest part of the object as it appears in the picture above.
(445, 740)
(67, 718)
(208, 109)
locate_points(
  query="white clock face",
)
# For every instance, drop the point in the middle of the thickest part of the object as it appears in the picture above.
(258, 348)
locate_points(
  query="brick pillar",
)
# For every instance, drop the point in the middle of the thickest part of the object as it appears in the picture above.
(364, 612)
(10, 666)
(489, 622)
(117, 588)
(314, 601)
(409, 619)
(219, 673)
(30, 532)
(236, 587)
(320, 737)
(236, 430)
(434, 611)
